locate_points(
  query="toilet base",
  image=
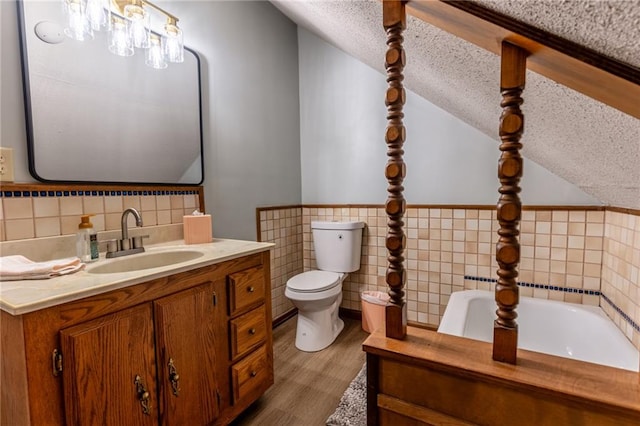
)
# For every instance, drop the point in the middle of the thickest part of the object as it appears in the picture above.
(317, 330)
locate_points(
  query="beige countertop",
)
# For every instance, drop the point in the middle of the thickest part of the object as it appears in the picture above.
(21, 297)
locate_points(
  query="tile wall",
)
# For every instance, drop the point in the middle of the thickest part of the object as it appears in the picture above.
(36, 214)
(282, 226)
(621, 272)
(565, 254)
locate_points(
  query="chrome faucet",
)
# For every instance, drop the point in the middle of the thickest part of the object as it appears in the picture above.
(126, 245)
(123, 221)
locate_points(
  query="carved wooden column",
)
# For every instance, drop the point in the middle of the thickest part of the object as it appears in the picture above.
(512, 79)
(394, 20)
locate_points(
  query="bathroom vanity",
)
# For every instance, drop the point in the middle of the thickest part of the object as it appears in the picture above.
(184, 344)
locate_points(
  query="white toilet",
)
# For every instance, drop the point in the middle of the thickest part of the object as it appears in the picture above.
(318, 294)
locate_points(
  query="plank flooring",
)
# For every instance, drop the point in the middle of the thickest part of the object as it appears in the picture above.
(308, 386)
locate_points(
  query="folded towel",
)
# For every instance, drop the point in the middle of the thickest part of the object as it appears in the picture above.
(20, 268)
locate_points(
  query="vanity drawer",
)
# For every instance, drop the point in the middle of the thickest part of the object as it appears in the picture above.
(251, 376)
(247, 331)
(246, 288)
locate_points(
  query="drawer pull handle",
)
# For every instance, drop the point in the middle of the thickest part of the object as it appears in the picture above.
(252, 331)
(174, 377)
(254, 373)
(143, 395)
(251, 289)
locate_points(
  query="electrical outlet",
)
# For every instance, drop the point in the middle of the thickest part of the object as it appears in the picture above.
(6, 164)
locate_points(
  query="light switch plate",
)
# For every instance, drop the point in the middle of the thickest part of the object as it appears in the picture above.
(6, 165)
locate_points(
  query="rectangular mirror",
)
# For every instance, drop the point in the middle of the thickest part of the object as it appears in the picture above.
(93, 116)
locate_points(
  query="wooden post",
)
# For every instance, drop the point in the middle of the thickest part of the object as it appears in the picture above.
(512, 79)
(394, 21)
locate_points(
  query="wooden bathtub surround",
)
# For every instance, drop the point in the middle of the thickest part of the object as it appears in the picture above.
(509, 208)
(434, 378)
(156, 353)
(423, 377)
(394, 18)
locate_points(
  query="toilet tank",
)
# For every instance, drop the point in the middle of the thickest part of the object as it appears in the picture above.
(337, 245)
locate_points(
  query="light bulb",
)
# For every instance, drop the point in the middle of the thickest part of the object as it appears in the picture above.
(140, 22)
(155, 54)
(78, 27)
(119, 41)
(97, 14)
(173, 43)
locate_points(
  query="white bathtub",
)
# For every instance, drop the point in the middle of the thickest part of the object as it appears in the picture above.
(563, 329)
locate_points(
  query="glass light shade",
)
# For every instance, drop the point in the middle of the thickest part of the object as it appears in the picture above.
(97, 14)
(119, 41)
(173, 43)
(155, 54)
(78, 27)
(140, 30)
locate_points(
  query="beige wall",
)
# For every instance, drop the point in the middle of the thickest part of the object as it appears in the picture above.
(570, 255)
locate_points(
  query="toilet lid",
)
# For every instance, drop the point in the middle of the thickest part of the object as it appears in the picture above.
(312, 281)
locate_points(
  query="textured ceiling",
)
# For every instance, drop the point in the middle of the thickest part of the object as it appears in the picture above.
(582, 140)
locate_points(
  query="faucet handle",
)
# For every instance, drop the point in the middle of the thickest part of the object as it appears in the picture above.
(112, 245)
(137, 241)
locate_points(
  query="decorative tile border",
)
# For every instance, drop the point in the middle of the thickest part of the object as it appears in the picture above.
(624, 316)
(541, 286)
(100, 193)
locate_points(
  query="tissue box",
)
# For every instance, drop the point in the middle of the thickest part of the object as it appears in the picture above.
(197, 229)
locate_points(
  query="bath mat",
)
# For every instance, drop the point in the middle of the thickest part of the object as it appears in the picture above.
(352, 409)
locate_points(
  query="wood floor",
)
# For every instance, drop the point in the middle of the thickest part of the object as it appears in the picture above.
(308, 386)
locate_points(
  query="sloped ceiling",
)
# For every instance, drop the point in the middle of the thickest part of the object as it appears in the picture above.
(588, 143)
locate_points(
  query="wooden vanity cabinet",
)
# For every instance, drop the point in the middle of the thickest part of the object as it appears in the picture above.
(171, 351)
(100, 359)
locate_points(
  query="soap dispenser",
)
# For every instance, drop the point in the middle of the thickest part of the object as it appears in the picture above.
(87, 240)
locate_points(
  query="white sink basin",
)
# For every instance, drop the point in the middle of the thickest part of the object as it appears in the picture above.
(137, 262)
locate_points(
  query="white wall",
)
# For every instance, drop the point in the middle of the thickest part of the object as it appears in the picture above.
(342, 122)
(250, 75)
(248, 53)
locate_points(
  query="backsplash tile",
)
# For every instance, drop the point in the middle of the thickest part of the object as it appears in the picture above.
(18, 208)
(18, 229)
(46, 207)
(45, 213)
(47, 226)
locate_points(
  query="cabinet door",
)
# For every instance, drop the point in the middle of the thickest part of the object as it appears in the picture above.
(109, 370)
(187, 332)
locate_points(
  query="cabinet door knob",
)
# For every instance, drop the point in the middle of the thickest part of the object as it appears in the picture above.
(251, 289)
(252, 331)
(254, 373)
(143, 395)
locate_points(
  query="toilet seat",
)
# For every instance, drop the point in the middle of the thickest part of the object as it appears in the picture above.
(314, 281)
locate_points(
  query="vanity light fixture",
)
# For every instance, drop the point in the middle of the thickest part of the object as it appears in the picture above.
(128, 23)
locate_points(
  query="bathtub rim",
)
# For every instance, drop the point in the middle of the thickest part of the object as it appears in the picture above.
(453, 320)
